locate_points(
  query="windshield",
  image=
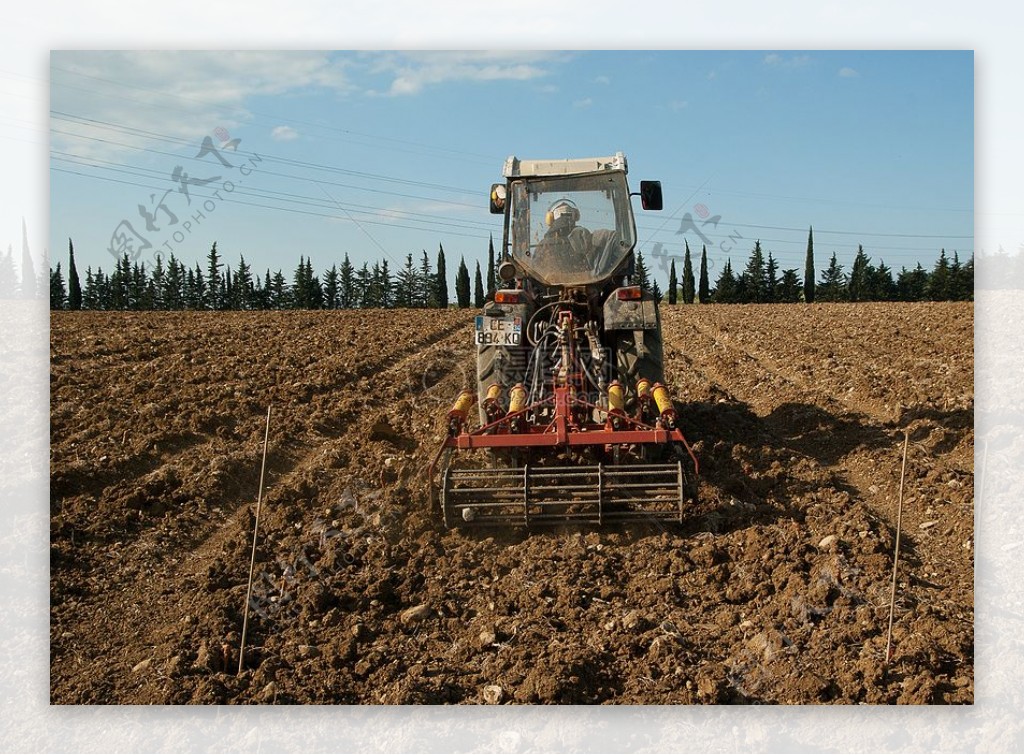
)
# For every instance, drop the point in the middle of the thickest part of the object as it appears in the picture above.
(571, 231)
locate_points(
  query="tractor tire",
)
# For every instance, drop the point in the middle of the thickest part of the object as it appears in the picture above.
(634, 361)
(498, 364)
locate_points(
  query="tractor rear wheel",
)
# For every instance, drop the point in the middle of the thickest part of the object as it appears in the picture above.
(498, 364)
(639, 353)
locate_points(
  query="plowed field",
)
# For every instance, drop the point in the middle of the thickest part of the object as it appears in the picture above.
(776, 590)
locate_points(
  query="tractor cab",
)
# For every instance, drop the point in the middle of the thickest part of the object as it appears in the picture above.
(568, 222)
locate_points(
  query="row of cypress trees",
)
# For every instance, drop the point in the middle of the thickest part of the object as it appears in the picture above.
(762, 281)
(421, 284)
(219, 286)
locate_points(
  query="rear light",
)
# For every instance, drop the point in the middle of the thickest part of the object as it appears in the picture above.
(508, 297)
(629, 293)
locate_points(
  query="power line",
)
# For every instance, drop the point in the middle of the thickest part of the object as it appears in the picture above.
(150, 173)
(272, 207)
(381, 177)
(478, 157)
(264, 156)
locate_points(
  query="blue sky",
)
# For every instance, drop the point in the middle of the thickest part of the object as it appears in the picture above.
(381, 154)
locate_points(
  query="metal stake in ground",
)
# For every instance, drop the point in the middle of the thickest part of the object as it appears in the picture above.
(896, 550)
(252, 559)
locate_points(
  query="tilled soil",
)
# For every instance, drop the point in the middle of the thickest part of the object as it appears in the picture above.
(775, 590)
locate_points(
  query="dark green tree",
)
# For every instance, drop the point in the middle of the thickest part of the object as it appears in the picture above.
(771, 279)
(941, 279)
(912, 285)
(268, 291)
(138, 290)
(332, 296)
(364, 283)
(386, 286)
(316, 289)
(407, 284)
(704, 289)
(442, 279)
(89, 292)
(227, 295)
(789, 287)
(641, 277)
(174, 284)
(193, 300)
(673, 283)
(859, 283)
(156, 291)
(280, 293)
(74, 284)
(963, 283)
(347, 284)
(832, 286)
(462, 286)
(492, 281)
(243, 290)
(688, 291)
(755, 276)
(376, 296)
(427, 283)
(478, 289)
(102, 282)
(880, 284)
(809, 268)
(725, 286)
(214, 284)
(58, 294)
(300, 286)
(118, 288)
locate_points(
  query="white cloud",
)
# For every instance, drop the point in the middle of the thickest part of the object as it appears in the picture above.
(712, 74)
(167, 99)
(602, 80)
(848, 73)
(284, 133)
(412, 72)
(774, 59)
(585, 102)
(677, 105)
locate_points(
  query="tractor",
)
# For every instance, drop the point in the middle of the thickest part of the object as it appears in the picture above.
(574, 422)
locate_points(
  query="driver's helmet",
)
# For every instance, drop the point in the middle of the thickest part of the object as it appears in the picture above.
(562, 215)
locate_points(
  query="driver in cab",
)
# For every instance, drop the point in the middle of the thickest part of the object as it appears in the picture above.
(564, 236)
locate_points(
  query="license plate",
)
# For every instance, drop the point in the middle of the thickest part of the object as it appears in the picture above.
(499, 331)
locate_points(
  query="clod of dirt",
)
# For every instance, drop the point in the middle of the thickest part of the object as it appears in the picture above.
(142, 666)
(493, 694)
(827, 542)
(711, 684)
(269, 693)
(487, 637)
(632, 620)
(416, 614)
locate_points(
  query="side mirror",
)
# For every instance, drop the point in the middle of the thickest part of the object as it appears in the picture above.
(650, 195)
(497, 199)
